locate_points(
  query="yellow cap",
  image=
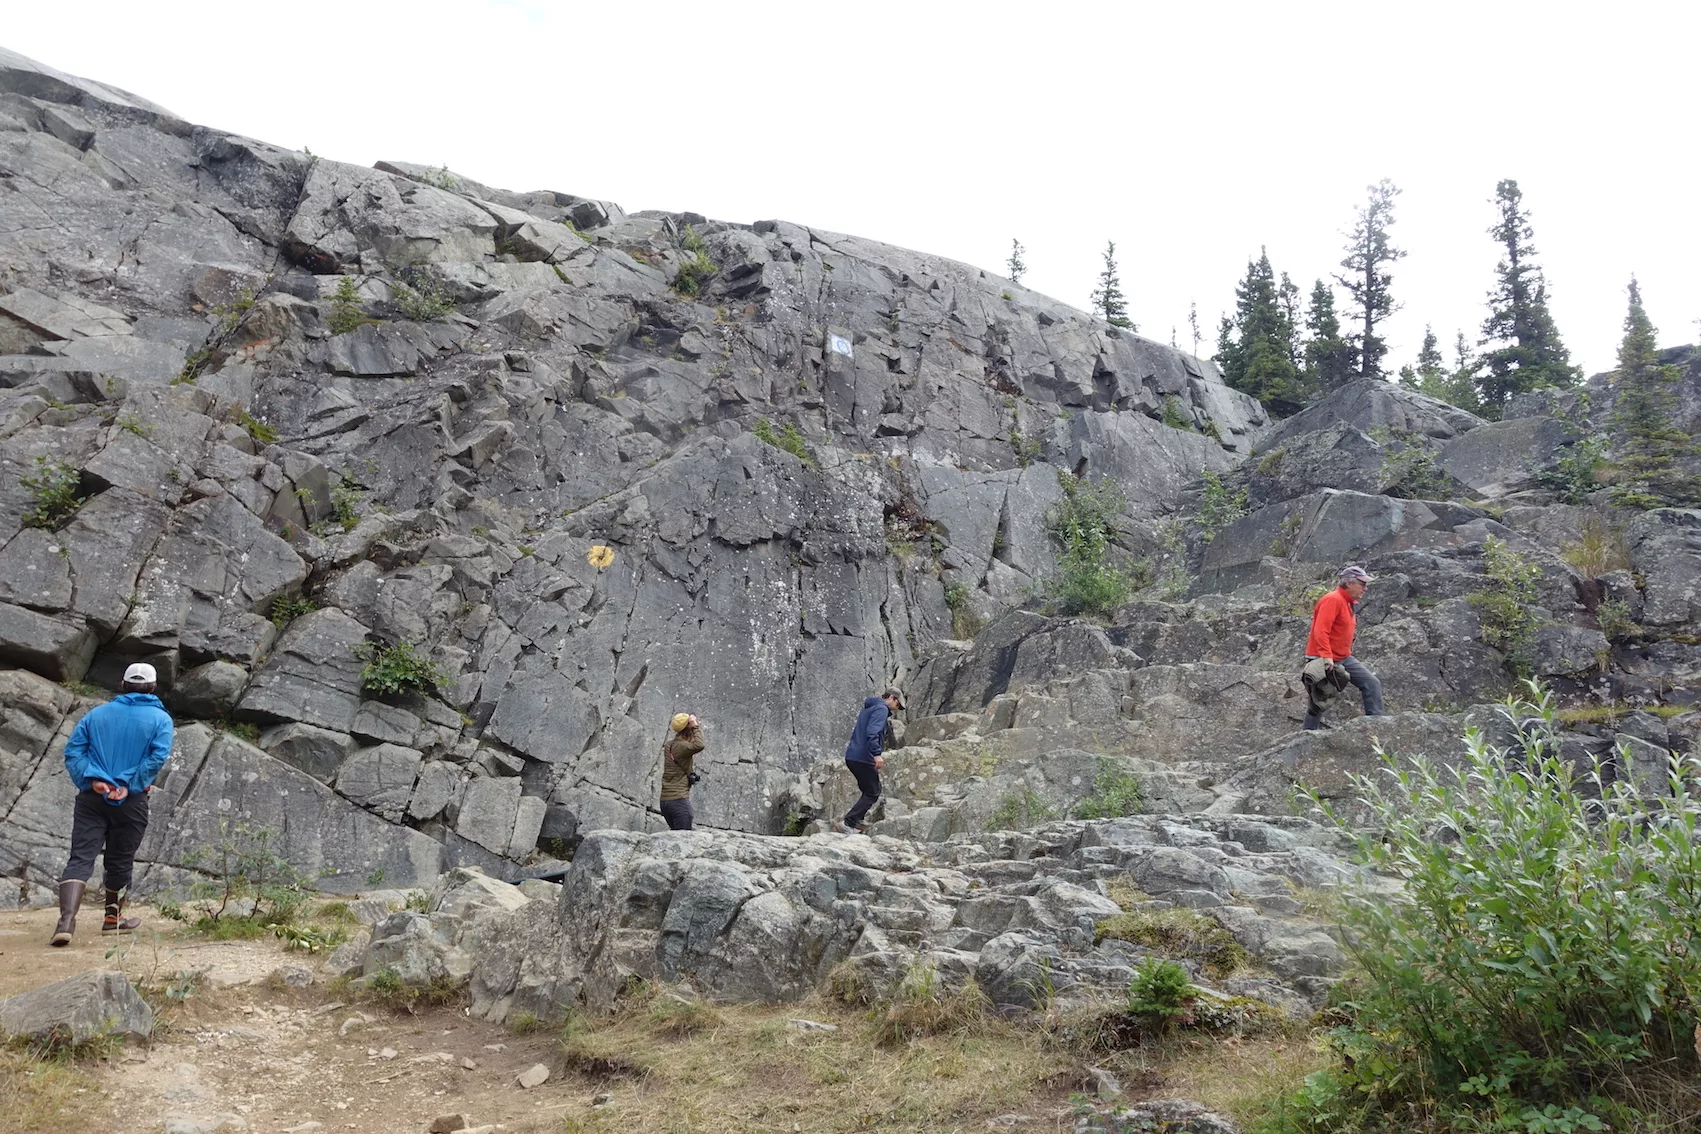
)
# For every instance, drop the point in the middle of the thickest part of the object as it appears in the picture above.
(679, 721)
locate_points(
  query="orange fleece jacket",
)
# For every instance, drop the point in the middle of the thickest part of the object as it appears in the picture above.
(1332, 626)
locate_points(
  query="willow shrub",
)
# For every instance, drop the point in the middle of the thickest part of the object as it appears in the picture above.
(1543, 970)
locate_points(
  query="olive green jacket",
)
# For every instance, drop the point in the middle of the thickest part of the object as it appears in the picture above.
(677, 754)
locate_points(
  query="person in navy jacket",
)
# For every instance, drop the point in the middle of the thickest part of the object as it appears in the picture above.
(863, 755)
(113, 755)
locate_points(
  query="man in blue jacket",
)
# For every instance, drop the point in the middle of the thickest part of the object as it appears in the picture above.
(113, 755)
(863, 755)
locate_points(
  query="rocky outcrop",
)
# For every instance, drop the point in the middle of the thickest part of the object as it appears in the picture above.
(747, 917)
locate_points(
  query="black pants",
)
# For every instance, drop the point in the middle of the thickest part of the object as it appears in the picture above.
(98, 826)
(868, 779)
(677, 812)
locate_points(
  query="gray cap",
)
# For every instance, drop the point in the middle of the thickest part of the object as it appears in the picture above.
(1356, 574)
(895, 692)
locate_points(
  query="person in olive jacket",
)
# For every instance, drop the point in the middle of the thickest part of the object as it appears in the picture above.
(684, 741)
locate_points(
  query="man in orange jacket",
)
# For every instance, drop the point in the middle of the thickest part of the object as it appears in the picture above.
(1333, 624)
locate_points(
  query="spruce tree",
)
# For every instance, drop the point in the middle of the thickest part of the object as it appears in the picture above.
(1107, 297)
(1193, 322)
(1367, 279)
(1462, 383)
(1523, 348)
(1329, 359)
(1650, 446)
(1016, 266)
(1256, 350)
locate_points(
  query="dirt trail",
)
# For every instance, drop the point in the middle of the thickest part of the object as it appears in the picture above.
(279, 1058)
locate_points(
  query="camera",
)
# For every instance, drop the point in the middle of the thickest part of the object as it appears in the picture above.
(692, 778)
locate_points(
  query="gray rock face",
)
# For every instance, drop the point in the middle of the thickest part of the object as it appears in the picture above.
(77, 1009)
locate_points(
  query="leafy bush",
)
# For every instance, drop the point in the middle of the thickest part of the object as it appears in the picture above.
(1020, 809)
(57, 489)
(1026, 450)
(309, 939)
(397, 669)
(790, 439)
(346, 312)
(1508, 623)
(1613, 617)
(345, 503)
(1084, 523)
(1115, 793)
(242, 863)
(1218, 507)
(1179, 933)
(1541, 971)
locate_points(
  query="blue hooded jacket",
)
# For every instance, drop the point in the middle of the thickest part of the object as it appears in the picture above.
(869, 739)
(125, 741)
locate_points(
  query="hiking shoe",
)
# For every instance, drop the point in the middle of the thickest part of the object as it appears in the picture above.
(844, 828)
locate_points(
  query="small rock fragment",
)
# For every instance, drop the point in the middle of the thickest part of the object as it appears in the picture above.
(448, 1123)
(468, 1064)
(534, 1076)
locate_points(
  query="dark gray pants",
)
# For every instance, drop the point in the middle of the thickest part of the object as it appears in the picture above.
(1369, 687)
(99, 828)
(677, 812)
(867, 779)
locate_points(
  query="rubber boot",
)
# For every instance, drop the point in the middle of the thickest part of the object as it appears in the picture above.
(70, 898)
(115, 921)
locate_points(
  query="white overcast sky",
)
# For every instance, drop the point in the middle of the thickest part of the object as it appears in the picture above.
(1189, 133)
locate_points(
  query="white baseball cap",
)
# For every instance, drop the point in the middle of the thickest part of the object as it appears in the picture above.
(141, 673)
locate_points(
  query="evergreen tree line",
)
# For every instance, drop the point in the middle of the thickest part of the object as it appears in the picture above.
(1288, 351)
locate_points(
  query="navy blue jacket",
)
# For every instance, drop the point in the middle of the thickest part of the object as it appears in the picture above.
(869, 739)
(124, 742)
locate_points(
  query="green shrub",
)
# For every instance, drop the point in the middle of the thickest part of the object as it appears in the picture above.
(1577, 473)
(1026, 451)
(1084, 522)
(1613, 617)
(790, 439)
(261, 432)
(309, 939)
(1161, 990)
(1021, 809)
(696, 268)
(397, 669)
(1218, 507)
(1178, 933)
(346, 498)
(1411, 466)
(1174, 416)
(57, 489)
(287, 608)
(130, 423)
(1508, 623)
(1116, 792)
(426, 302)
(346, 312)
(242, 862)
(1540, 971)
(1271, 463)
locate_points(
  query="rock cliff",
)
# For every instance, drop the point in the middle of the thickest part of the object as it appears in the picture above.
(296, 408)
(263, 415)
